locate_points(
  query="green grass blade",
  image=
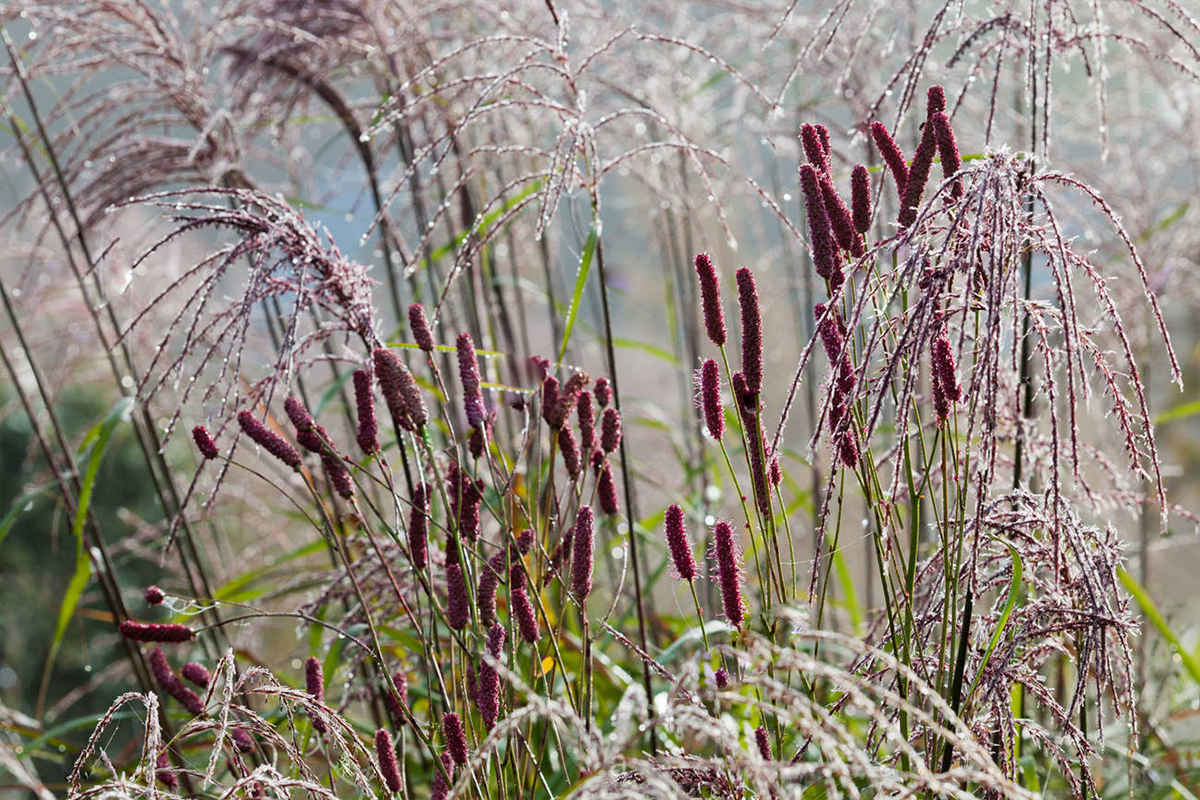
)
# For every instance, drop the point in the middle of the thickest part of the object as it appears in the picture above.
(585, 265)
(1146, 603)
(1014, 588)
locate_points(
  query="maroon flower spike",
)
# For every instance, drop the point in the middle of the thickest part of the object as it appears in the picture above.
(163, 771)
(242, 741)
(764, 744)
(948, 149)
(419, 324)
(364, 401)
(606, 491)
(468, 373)
(775, 472)
(400, 392)
(603, 392)
(823, 132)
(814, 148)
(891, 155)
(585, 409)
(270, 441)
(314, 684)
(485, 588)
(550, 394)
(722, 678)
(525, 541)
(710, 303)
(598, 461)
(418, 527)
(339, 476)
(153, 595)
(441, 786)
(455, 739)
(860, 198)
(848, 450)
(488, 698)
(840, 221)
(678, 544)
(542, 365)
(196, 673)
(826, 260)
(610, 430)
(307, 433)
(582, 558)
(520, 605)
(570, 451)
(397, 701)
(567, 398)
(752, 342)
(710, 398)
(935, 101)
(154, 632)
(170, 683)
(466, 496)
(728, 575)
(918, 176)
(208, 449)
(458, 610)
(385, 751)
(477, 441)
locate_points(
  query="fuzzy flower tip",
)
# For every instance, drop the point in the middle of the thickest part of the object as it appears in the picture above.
(710, 300)
(204, 443)
(764, 744)
(948, 149)
(678, 544)
(489, 581)
(458, 609)
(582, 564)
(918, 176)
(840, 221)
(385, 751)
(814, 148)
(455, 739)
(602, 391)
(722, 678)
(400, 392)
(606, 491)
(441, 782)
(397, 701)
(170, 683)
(364, 402)
(521, 606)
(728, 574)
(710, 398)
(566, 401)
(825, 257)
(153, 595)
(468, 373)
(196, 673)
(752, 341)
(891, 155)
(860, 198)
(154, 632)
(419, 324)
(610, 430)
(270, 441)
(585, 409)
(570, 451)
(418, 527)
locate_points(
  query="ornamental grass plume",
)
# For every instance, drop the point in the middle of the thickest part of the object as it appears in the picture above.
(204, 443)
(729, 576)
(710, 303)
(367, 434)
(385, 752)
(454, 737)
(270, 441)
(710, 398)
(418, 323)
(583, 544)
(165, 633)
(468, 374)
(678, 545)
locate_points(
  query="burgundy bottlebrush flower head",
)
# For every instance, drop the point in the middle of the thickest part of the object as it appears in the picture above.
(550, 395)
(468, 374)
(918, 173)
(606, 491)
(610, 430)
(826, 260)
(752, 338)
(728, 573)
(268, 440)
(603, 392)
(364, 402)
(710, 398)
(521, 606)
(722, 678)
(454, 737)
(678, 544)
(763, 743)
(156, 632)
(441, 786)
(488, 698)
(466, 497)
(170, 683)
(485, 588)
(567, 398)
(205, 444)
(400, 391)
(891, 155)
(860, 198)
(815, 149)
(314, 678)
(163, 771)
(710, 302)
(582, 559)
(948, 149)
(775, 472)
(585, 409)
(570, 451)
(418, 527)
(385, 751)
(339, 476)
(308, 434)
(525, 541)
(458, 609)
(840, 221)
(477, 442)
(153, 595)
(419, 324)
(397, 701)
(196, 673)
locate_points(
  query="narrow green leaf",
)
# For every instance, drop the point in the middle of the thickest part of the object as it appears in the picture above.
(657, 352)
(20, 504)
(1014, 588)
(1146, 603)
(1178, 412)
(585, 265)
